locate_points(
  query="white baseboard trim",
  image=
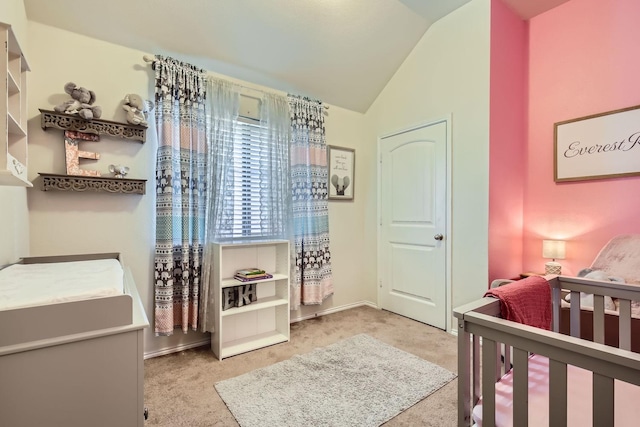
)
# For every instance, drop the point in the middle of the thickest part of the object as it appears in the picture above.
(176, 349)
(182, 347)
(333, 310)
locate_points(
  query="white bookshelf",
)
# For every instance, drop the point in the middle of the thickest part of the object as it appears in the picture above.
(265, 321)
(13, 111)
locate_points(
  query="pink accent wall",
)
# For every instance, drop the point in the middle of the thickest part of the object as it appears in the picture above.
(584, 59)
(509, 39)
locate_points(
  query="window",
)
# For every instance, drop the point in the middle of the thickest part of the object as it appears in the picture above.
(250, 158)
(250, 177)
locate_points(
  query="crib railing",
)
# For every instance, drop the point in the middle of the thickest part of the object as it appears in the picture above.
(623, 292)
(486, 343)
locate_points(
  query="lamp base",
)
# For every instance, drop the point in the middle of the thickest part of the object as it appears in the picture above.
(552, 267)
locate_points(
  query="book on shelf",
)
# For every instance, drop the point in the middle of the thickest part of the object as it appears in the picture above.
(254, 277)
(248, 272)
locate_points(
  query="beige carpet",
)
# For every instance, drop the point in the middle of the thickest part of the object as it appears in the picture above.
(179, 387)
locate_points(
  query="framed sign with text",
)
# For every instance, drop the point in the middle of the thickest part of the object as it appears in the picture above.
(600, 146)
(342, 163)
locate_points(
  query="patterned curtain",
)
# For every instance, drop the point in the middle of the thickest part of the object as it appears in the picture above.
(312, 280)
(180, 189)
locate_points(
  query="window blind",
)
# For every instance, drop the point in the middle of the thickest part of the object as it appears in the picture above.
(253, 177)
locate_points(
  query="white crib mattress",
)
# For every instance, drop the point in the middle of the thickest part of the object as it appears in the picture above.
(28, 285)
(579, 398)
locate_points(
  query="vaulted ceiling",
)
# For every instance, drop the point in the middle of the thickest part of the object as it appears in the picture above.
(340, 51)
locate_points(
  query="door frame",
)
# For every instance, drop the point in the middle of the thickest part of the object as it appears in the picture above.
(449, 325)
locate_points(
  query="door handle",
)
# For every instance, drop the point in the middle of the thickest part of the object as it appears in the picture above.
(438, 236)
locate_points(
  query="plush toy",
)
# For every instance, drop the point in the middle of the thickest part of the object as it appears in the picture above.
(586, 300)
(81, 102)
(119, 171)
(136, 109)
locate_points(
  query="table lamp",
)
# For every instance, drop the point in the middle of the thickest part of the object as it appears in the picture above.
(554, 249)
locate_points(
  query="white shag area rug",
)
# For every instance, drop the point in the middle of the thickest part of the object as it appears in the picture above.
(359, 381)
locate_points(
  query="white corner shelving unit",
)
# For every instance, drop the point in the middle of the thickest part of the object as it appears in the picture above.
(263, 322)
(13, 111)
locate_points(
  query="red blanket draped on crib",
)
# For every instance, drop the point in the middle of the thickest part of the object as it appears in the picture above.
(525, 301)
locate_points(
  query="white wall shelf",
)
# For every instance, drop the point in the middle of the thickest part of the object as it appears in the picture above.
(258, 305)
(13, 111)
(256, 341)
(265, 321)
(226, 283)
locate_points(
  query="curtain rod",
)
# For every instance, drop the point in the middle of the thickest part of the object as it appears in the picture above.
(151, 59)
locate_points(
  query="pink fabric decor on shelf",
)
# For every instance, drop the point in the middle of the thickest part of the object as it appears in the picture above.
(525, 301)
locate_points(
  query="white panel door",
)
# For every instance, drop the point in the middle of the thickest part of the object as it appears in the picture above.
(413, 224)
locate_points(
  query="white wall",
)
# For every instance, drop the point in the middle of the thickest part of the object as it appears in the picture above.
(12, 12)
(66, 222)
(447, 73)
(14, 218)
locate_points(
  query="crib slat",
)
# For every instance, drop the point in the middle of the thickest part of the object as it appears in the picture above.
(555, 305)
(464, 386)
(624, 331)
(498, 362)
(477, 391)
(575, 314)
(598, 319)
(507, 358)
(489, 356)
(558, 392)
(520, 387)
(602, 401)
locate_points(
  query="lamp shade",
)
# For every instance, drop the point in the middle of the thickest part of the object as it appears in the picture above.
(554, 249)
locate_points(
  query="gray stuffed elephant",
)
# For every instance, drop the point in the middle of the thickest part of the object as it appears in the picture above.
(136, 109)
(81, 102)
